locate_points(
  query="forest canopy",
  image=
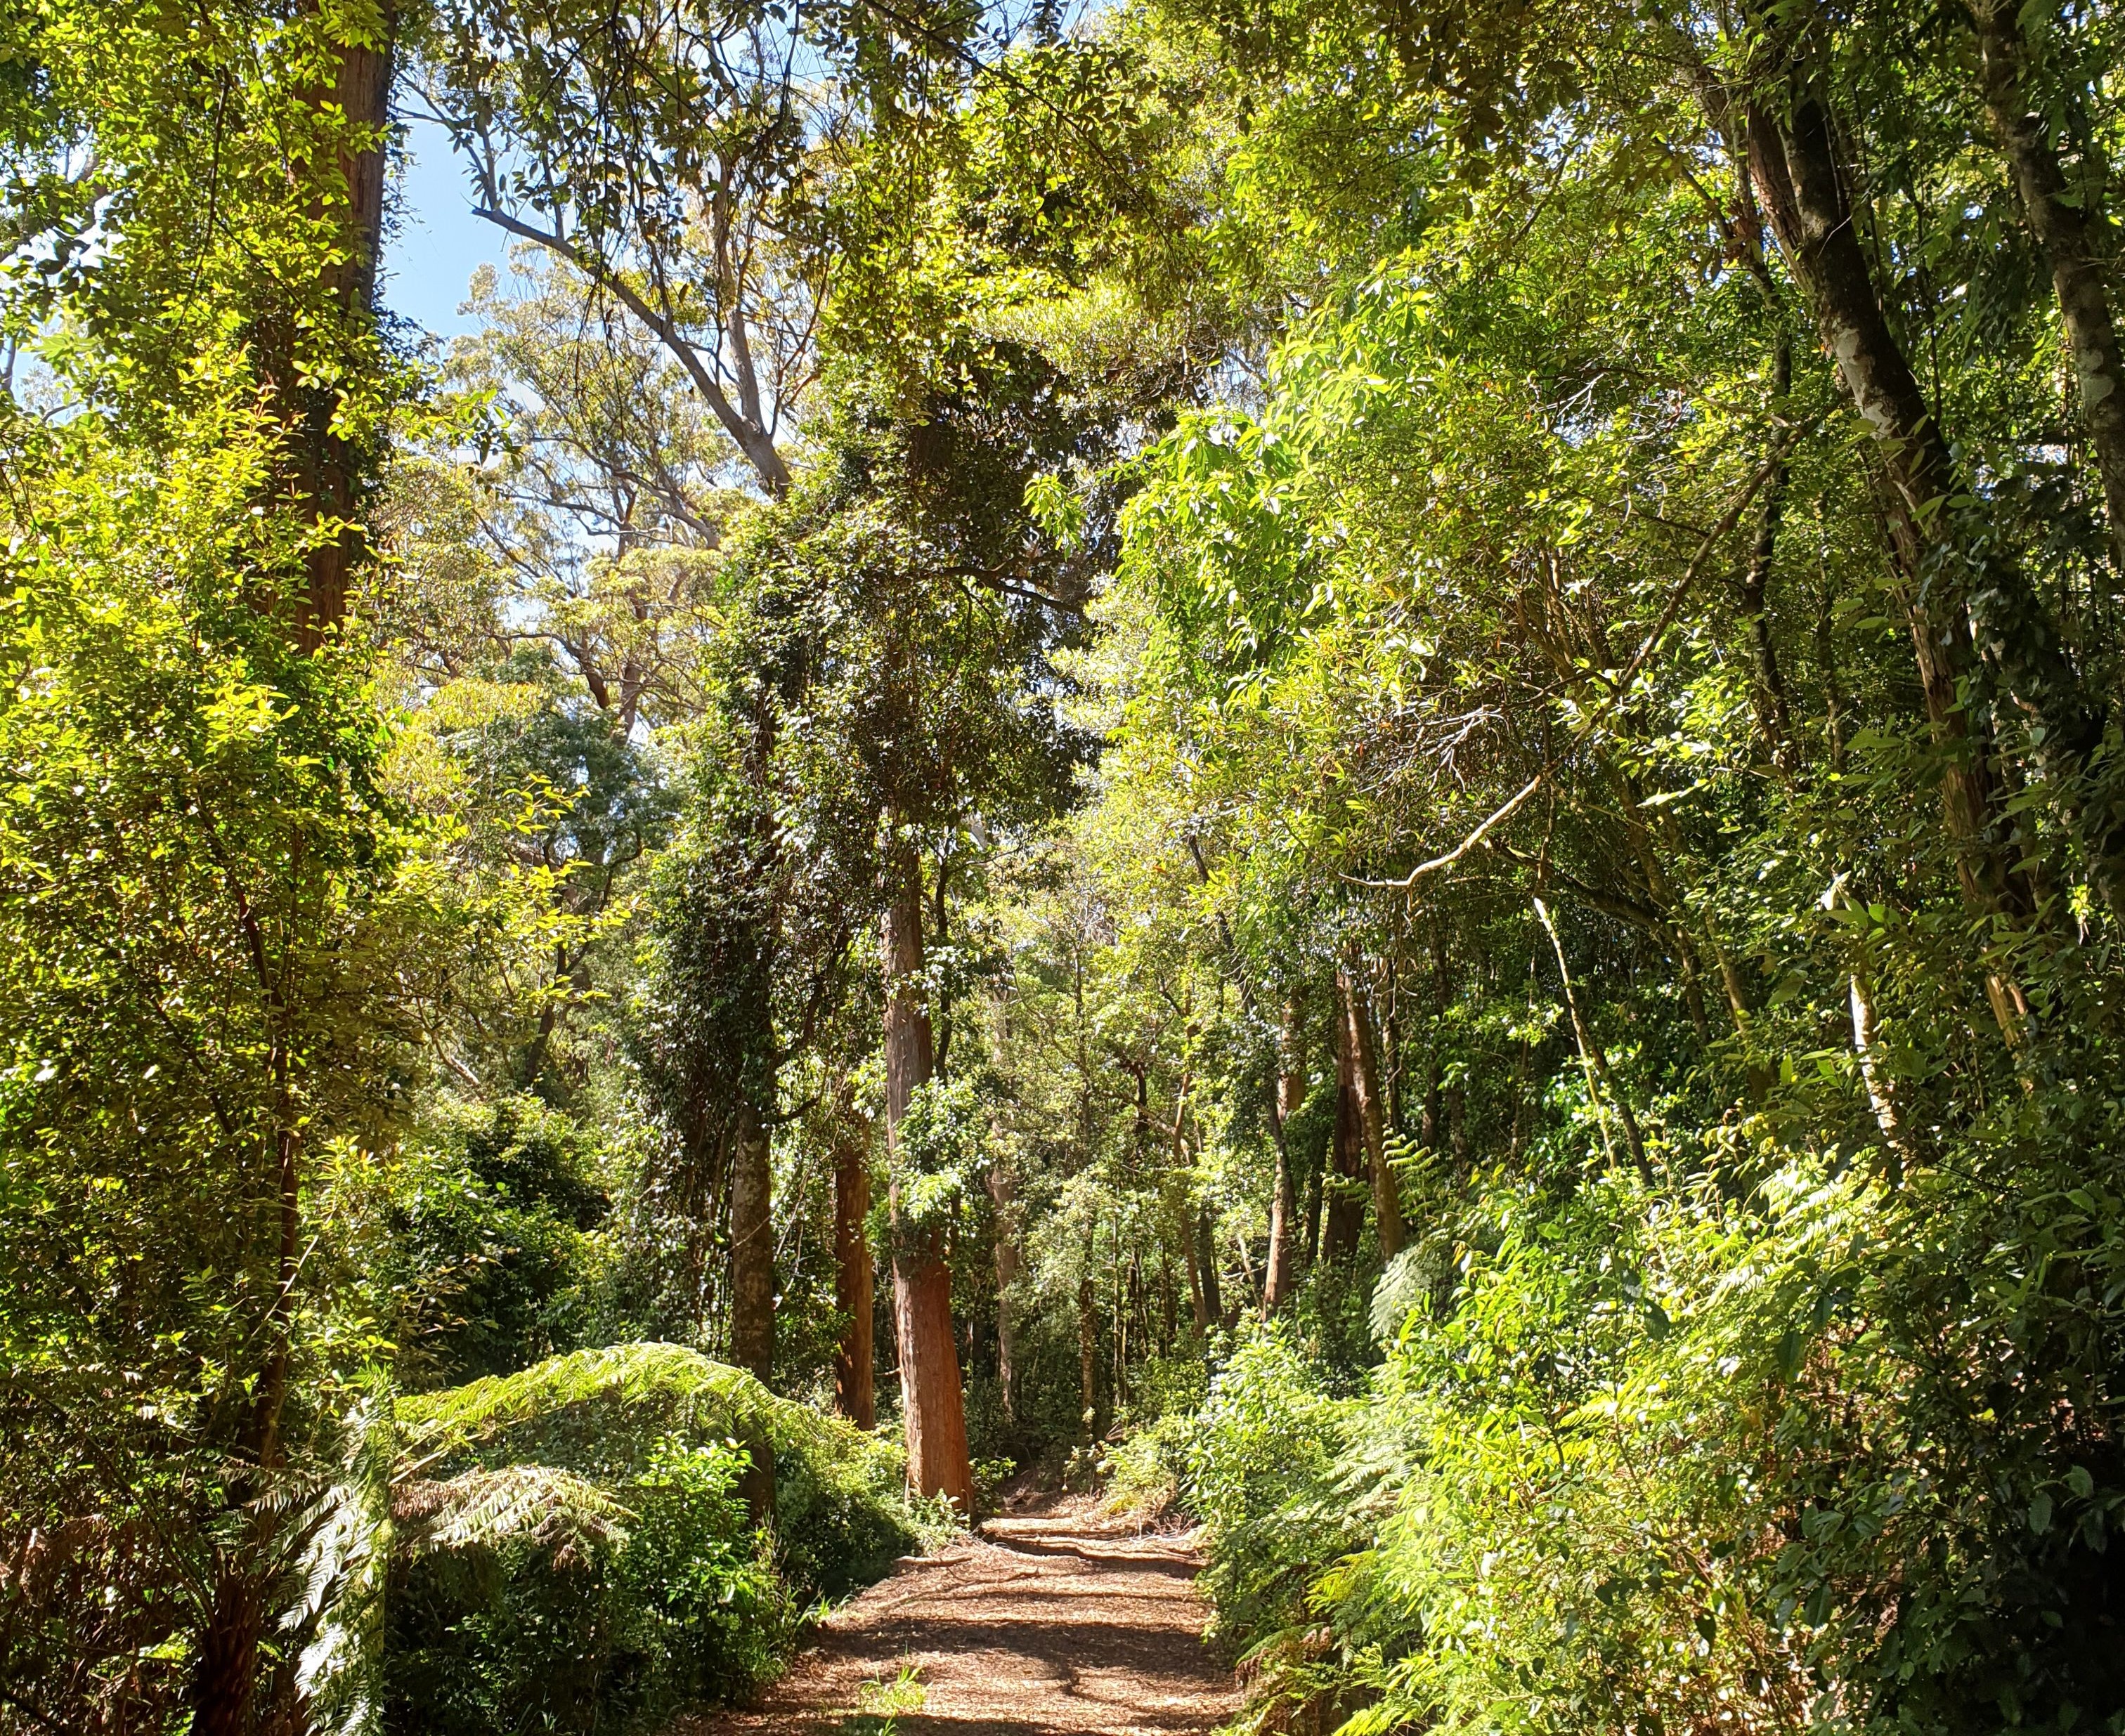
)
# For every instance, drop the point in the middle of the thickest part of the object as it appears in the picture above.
(1358, 767)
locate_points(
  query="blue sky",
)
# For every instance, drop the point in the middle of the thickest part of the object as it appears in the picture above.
(439, 243)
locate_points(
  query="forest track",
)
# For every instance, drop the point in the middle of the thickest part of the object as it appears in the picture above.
(1054, 1622)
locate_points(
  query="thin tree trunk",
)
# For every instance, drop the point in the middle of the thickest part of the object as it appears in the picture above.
(1881, 1086)
(1345, 1210)
(1003, 1198)
(1120, 1380)
(1088, 1354)
(1774, 711)
(1365, 1081)
(932, 1406)
(1793, 162)
(1278, 1279)
(2069, 231)
(855, 1281)
(752, 1247)
(1596, 1061)
(1314, 1183)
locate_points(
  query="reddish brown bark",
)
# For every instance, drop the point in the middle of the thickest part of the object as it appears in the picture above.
(331, 469)
(932, 1406)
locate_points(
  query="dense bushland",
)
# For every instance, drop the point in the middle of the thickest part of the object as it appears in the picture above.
(1360, 762)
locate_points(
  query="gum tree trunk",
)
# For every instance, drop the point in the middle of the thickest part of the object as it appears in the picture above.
(326, 475)
(1345, 1210)
(333, 470)
(931, 1402)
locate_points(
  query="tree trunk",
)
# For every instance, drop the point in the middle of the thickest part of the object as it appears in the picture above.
(932, 1406)
(1277, 1280)
(1365, 1083)
(1206, 1258)
(2070, 234)
(331, 468)
(1198, 1304)
(752, 1247)
(1593, 1058)
(1346, 1209)
(1793, 162)
(1316, 1179)
(1772, 708)
(854, 1282)
(1003, 1199)
(1088, 1354)
(225, 1677)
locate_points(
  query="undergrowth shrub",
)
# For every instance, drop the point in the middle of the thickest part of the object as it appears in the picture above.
(580, 1546)
(1708, 1456)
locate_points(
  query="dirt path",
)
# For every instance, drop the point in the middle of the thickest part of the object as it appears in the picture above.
(1046, 1623)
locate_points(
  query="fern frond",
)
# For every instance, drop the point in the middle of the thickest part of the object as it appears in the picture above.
(640, 1391)
(484, 1509)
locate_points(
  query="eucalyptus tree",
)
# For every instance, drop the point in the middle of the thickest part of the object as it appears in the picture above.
(669, 157)
(666, 155)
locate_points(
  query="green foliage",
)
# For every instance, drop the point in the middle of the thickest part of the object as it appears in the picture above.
(203, 922)
(557, 1606)
(941, 1145)
(488, 1254)
(577, 1547)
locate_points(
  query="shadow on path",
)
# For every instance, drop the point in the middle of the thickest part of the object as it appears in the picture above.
(1057, 1625)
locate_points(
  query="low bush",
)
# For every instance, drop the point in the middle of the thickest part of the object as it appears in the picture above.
(588, 1544)
(1699, 1456)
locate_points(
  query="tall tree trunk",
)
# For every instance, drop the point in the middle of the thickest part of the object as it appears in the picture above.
(333, 470)
(1208, 1258)
(1280, 1275)
(752, 1247)
(2069, 231)
(1794, 164)
(326, 475)
(1346, 1209)
(854, 1282)
(1003, 1198)
(1365, 1081)
(1088, 1353)
(1774, 709)
(931, 1402)
(1198, 1303)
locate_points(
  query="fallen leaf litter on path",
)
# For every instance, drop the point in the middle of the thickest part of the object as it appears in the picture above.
(1057, 1624)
